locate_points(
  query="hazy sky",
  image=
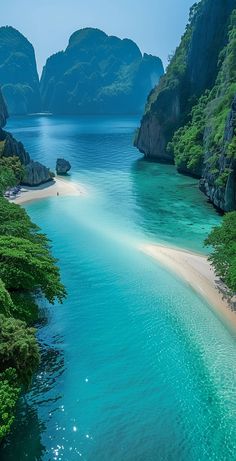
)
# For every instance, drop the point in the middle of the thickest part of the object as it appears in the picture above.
(155, 25)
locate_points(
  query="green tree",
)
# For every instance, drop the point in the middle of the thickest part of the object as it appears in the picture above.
(223, 257)
(13, 164)
(6, 304)
(28, 266)
(27, 269)
(9, 394)
(7, 179)
(15, 221)
(18, 348)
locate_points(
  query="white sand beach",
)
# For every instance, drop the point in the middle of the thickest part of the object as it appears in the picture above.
(197, 271)
(57, 187)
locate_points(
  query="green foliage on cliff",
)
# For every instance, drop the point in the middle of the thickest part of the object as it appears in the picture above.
(174, 76)
(231, 149)
(209, 116)
(224, 90)
(14, 165)
(12, 171)
(7, 179)
(187, 142)
(223, 258)
(190, 116)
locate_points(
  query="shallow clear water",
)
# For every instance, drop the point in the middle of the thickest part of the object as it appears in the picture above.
(135, 367)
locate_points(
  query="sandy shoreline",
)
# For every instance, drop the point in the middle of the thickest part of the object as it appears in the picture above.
(57, 187)
(196, 270)
(193, 268)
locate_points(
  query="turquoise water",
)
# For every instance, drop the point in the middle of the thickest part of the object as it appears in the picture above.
(135, 366)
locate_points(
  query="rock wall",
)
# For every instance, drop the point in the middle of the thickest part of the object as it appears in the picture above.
(12, 147)
(204, 64)
(35, 172)
(3, 111)
(98, 74)
(153, 135)
(192, 70)
(19, 80)
(222, 196)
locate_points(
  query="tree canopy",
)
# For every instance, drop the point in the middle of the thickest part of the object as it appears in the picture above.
(223, 257)
(18, 348)
(27, 268)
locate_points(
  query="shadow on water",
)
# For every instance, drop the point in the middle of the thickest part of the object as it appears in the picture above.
(24, 442)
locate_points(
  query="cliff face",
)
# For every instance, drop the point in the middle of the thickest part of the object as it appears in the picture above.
(220, 185)
(18, 73)
(98, 74)
(35, 173)
(187, 115)
(3, 111)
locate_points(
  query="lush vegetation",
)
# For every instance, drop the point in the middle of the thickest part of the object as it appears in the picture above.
(27, 272)
(14, 166)
(209, 116)
(9, 394)
(190, 115)
(18, 348)
(173, 80)
(223, 257)
(187, 142)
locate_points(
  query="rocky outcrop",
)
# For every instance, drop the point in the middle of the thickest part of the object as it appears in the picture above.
(98, 74)
(36, 174)
(192, 70)
(18, 73)
(3, 111)
(62, 166)
(184, 117)
(152, 137)
(12, 147)
(220, 187)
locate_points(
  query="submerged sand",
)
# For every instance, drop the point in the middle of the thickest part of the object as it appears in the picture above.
(193, 268)
(56, 188)
(196, 270)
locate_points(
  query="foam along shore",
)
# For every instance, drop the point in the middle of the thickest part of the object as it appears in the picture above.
(196, 270)
(56, 187)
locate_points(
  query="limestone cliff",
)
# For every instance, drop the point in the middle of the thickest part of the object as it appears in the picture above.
(18, 73)
(187, 115)
(220, 184)
(3, 111)
(98, 74)
(35, 173)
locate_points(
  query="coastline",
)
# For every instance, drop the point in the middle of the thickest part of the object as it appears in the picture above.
(196, 271)
(56, 187)
(193, 268)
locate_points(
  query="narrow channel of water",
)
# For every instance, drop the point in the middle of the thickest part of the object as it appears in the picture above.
(135, 367)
